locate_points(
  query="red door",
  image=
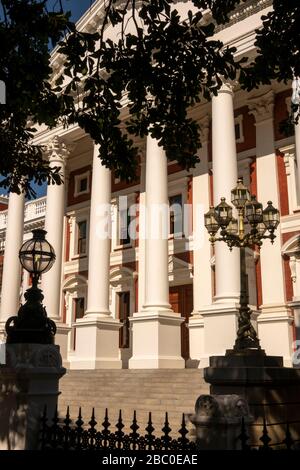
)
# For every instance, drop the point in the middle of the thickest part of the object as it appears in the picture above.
(181, 300)
(124, 311)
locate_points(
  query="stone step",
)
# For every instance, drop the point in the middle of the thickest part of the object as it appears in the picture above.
(155, 391)
(137, 389)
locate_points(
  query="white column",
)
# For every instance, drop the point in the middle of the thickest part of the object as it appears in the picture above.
(297, 145)
(156, 328)
(57, 152)
(202, 278)
(11, 278)
(274, 323)
(295, 304)
(97, 333)
(99, 241)
(220, 319)
(157, 282)
(224, 180)
(142, 229)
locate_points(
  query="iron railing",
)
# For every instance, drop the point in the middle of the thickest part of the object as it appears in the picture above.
(66, 434)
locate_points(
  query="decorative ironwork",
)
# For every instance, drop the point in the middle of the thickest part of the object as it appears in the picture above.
(267, 444)
(65, 434)
(75, 436)
(261, 224)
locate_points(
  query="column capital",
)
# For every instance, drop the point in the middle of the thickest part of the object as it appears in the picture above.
(204, 122)
(58, 149)
(262, 107)
(227, 85)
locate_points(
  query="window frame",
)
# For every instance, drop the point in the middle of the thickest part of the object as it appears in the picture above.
(77, 180)
(238, 120)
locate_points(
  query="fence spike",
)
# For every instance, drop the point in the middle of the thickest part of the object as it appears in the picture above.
(243, 437)
(134, 435)
(166, 439)
(105, 430)
(288, 441)
(93, 421)
(183, 431)
(119, 433)
(265, 439)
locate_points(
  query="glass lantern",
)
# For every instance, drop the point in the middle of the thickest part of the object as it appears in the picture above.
(210, 221)
(240, 195)
(36, 255)
(232, 228)
(254, 211)
(261, 229)
(223, 213)
(271, 217)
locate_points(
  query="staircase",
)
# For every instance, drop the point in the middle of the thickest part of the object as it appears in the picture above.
(158, 391)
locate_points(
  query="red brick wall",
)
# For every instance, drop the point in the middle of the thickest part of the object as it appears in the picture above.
(249, 130)
(280, 112)
(71, 188)
(3, 207)
(68, 236)
(282, 183)
(123, 184)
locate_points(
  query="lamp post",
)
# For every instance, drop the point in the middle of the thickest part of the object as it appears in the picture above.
(32, 325)
(252, 226)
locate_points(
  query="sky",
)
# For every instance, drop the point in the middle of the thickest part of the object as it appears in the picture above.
(77, 8)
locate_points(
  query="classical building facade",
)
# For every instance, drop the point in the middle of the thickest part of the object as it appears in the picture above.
(139, 301)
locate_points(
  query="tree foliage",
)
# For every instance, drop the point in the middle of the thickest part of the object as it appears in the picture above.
(161, 65)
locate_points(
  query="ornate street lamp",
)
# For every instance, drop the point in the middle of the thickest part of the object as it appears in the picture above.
(261, 225)
(32, 325)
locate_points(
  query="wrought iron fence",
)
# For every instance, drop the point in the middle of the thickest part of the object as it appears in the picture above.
(66, 434)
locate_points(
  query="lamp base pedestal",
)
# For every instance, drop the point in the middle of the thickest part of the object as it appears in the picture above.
(30, 380)
(271, 390)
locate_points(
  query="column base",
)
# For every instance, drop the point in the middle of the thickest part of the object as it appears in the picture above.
(271, 390)
(156, 340)
(61, 339)
(97, 344)
(275, 331)
(196, 338)
(220, 327)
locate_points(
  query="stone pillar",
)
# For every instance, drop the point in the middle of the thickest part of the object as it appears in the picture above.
(156, 328)
(202, 279)
(220, 319)
(295, 303)
(297, 145)
(97, 333)
(142, 230)
(275, 321)
(29, 381)
(11, 278)
(57, 152)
